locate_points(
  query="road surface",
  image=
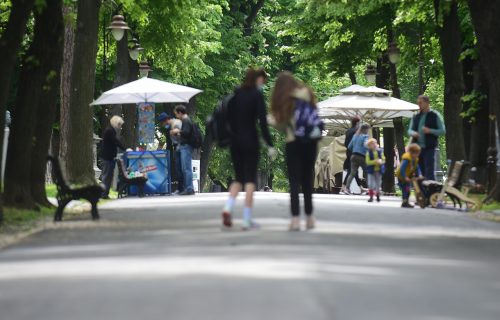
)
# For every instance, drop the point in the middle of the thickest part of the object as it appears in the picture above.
(167, 258)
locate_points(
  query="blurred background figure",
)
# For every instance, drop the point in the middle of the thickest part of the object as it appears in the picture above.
(358, 149)
(294, 110)
(170, 123)
(375, 161)
(245, 109)
(110, 144)
(425, 129)
(347, 163)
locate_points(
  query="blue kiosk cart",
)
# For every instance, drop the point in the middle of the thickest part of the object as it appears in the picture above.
(156, 165)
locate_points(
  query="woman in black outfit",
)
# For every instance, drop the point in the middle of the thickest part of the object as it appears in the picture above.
(288, 99)
(110, 143)
(244, 109)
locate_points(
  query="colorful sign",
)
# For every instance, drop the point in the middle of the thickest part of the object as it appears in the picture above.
(156, 165)
(146, 122)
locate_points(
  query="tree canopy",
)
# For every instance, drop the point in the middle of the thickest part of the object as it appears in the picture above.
(209, 44)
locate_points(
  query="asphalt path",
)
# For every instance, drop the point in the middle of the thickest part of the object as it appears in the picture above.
(169, 258)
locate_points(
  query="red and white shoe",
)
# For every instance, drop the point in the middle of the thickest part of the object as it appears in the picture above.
(227, 220)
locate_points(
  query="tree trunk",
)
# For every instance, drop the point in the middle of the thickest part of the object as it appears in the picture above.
(65, 90)
(420, 63)
(251, 16)
(478, 151)
(485, 15)
(352, 77)
(382, 81)
(468, 78)
(191, 107)
(47, 106)
(206, 152)
(79, 160)
(121, 71)
(399, 130)
(10, 43)
(129, 133)
(451, 48)
(388, 176)
(35, 73)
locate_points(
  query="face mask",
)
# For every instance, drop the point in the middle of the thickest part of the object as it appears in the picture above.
(167, 127)
(262, 87)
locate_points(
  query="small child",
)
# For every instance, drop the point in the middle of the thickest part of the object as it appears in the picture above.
(375, 161)
(407, 170)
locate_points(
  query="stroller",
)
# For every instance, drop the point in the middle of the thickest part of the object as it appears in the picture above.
(454, 188)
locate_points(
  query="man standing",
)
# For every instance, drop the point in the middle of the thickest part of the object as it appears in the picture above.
(425, 129)
(185, 149)
(169, 123)
(347, 163)
(110, 143)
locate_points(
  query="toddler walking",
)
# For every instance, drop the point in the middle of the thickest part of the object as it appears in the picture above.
(375, 161)
(407, 170)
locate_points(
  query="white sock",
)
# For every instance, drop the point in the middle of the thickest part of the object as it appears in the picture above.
(247, 213)
(229, 205)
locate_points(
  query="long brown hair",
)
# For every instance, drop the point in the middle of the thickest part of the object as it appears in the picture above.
(314, 101)
(282, 101)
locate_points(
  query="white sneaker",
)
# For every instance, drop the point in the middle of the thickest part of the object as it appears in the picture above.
(294, 224)
(310, 223)
(249, 225)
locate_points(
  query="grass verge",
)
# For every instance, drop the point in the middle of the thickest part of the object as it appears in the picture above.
(17, 220)
(51, 190)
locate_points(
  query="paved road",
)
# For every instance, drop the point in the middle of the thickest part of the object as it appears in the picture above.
(167, 258)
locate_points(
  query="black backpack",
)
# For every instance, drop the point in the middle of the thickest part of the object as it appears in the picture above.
(196, 137)
(218, 123)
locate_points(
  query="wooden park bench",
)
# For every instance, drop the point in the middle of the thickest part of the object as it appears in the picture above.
(456, 187)
(124, 182)
(66, 193)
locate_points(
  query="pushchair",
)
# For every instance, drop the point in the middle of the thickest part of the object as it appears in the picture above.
(455, 189)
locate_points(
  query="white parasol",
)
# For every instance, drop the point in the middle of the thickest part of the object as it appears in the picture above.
(373, 105)
(147, 90)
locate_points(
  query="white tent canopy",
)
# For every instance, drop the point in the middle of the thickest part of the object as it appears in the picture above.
(374, 105)
(147, 90)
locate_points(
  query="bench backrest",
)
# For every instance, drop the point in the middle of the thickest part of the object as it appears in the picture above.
(459, 172)
(454, 173)
(62, 186)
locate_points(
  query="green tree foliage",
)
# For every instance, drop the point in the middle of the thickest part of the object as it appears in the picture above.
(327, 44)
(209, 44)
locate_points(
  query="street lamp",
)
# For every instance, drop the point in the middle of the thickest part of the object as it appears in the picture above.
(370, 73)
(135, 49)
(394, 53)
(144, 69)
(118, 27)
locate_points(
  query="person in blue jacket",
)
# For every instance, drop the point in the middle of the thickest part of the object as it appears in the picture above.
(425, 128)
(358, 148)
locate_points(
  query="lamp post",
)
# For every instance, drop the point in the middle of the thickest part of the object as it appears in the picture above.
(118, 27)
(394, 53)
(144, 69)
(370, 73)
(134, 49)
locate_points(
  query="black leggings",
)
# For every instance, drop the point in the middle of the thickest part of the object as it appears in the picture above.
(300, 158)
(347, 167)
